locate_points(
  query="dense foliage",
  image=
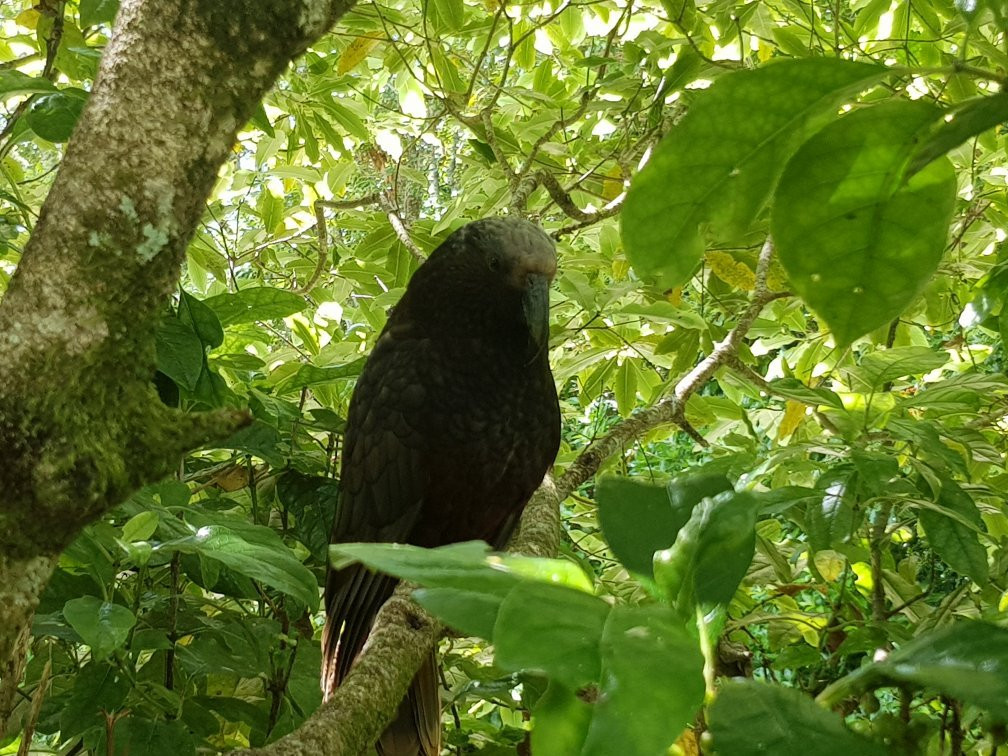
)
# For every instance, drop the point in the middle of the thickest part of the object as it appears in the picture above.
(791, 325)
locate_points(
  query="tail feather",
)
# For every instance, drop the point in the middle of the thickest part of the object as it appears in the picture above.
(353, 597)
(416, 729)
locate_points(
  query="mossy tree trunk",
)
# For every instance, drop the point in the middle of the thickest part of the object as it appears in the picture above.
(80, 424)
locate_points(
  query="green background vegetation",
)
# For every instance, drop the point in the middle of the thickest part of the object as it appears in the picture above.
(784, 333)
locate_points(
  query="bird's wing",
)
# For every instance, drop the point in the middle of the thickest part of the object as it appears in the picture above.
(382, 486)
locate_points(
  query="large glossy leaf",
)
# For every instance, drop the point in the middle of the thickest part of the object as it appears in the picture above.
(470, 566)
(180, 352)
(884, 366)
(639, 518)
(101, 625)
(53, 116)
(253, 551)
(720, 163)
(857, 239)
(957, 544)
(136, 735)
(203, 320)
(13, 83)
(255, 303)
(639, 646)
(311, 375)
(711, 554)
(751, 719)
(551, 629)
(968, 119)
(967, 661)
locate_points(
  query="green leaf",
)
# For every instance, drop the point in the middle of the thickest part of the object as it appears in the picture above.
(719, 164)
(311, 375)
(312, 500)
(859, 241)
(101, 625)
(180, 353)
(97, 688)
(639, 646)
(271, 211)
(135, 735)
(203, 320)
(94, 12)
(469, 566)
(967, 661)
(552, 629)
(711, 554)
(14, 83)
(447, 15)
(624, 504)
(140, 526)
(829, 521)
(53, 116)
(625, 388)
(750, 718)
(963, 391)
(967, 120)
(470, 612)
(884, 366)
(792, 388)
(255, 552)
(447, 73)
(560, 721)
(958, 545)
(255, 303)
(348, 119)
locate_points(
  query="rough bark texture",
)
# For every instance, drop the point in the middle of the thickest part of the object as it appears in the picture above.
(80, 425)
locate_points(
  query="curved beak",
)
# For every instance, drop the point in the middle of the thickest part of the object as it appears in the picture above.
(535, 305)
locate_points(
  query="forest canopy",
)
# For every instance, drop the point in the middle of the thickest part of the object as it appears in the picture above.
(777, 521)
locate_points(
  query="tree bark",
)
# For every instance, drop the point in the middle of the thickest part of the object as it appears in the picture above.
(81, 426)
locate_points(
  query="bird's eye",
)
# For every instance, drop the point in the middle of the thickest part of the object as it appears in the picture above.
(494, 263)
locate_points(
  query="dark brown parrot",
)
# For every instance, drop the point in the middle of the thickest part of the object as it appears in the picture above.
(452, 425)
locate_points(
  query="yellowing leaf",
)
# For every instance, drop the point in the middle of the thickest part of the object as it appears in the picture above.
(731, 271)
(612, 184)
(674, 295)
(830, 564)
(620, 269)
(27, 19)
(688, 744)
(794, 413)
(355, 53)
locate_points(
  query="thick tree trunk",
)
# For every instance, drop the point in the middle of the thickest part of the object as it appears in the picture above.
(80, 425)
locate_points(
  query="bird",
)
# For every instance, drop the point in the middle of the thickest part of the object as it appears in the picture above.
(452, 425)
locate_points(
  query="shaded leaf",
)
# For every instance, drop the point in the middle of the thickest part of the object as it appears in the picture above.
(711, 554)
(719, 164)
(255, 303)
(552, 629)
(101, 625)
(857, 240)
(750, 718)
(53, 116)
(255, 552)
(180, 353)
(640, 645)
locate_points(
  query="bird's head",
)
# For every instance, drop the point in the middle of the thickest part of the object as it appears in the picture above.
(501, 260)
